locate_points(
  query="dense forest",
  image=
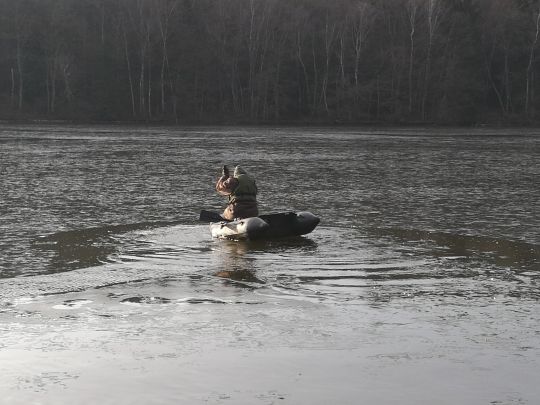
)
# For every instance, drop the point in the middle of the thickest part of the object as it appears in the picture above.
(271, 61)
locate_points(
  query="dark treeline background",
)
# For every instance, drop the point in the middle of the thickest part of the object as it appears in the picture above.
(209, 61)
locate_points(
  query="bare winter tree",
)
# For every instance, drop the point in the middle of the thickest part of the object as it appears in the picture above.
(529, 82)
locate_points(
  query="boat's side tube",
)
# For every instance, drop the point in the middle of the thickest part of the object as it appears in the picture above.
(248, 228)
(305, 222)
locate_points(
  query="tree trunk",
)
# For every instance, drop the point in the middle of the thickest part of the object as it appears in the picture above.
(52, 77)
(252, 49)
(149, 100)
(48, 87)
(433, 14)
(236, 102)
(130, 76)
(102, 23)
(315, 95)
(340, 84)
(12, 88)
(20, 73)
(361, 25)
(164, 16)
(492, 81)
(304, 69)
(276, 88)
(66, 75)
(529, 77)
(507, 85)
(141, 81)
(412, 10)
(162, 83)
(328, 42)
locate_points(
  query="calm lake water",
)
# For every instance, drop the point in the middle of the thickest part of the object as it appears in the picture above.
(420, 285)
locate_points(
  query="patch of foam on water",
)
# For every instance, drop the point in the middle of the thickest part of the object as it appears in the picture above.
(72, 304)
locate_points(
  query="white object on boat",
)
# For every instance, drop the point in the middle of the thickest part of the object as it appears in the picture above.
(248, 228)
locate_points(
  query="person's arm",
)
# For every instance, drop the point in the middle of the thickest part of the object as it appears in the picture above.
(226, 185)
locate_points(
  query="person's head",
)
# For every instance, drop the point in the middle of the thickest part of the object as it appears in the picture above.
(238, 170)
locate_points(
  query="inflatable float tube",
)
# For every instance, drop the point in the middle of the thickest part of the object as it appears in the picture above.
(268, 226)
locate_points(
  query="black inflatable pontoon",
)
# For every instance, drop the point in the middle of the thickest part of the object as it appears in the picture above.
(262, 227)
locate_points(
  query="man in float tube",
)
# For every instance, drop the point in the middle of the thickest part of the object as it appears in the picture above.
(241, 191)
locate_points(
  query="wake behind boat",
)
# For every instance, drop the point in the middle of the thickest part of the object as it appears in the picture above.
(267, 226)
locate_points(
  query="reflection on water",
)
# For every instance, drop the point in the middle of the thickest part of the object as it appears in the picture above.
(521, 256)
(239, 275)
(235, 263)
(237, 258)
(87, 247)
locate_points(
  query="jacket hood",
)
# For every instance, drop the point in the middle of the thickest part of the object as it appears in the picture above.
(238, 170)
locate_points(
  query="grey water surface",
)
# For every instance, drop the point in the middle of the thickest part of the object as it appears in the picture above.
(419, 286)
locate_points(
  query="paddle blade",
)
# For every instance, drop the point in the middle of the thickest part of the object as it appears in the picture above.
(210, 216)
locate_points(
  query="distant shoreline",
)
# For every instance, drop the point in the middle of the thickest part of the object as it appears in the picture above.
(295, 123)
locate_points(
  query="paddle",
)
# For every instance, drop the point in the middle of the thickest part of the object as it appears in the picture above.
(210, 216)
